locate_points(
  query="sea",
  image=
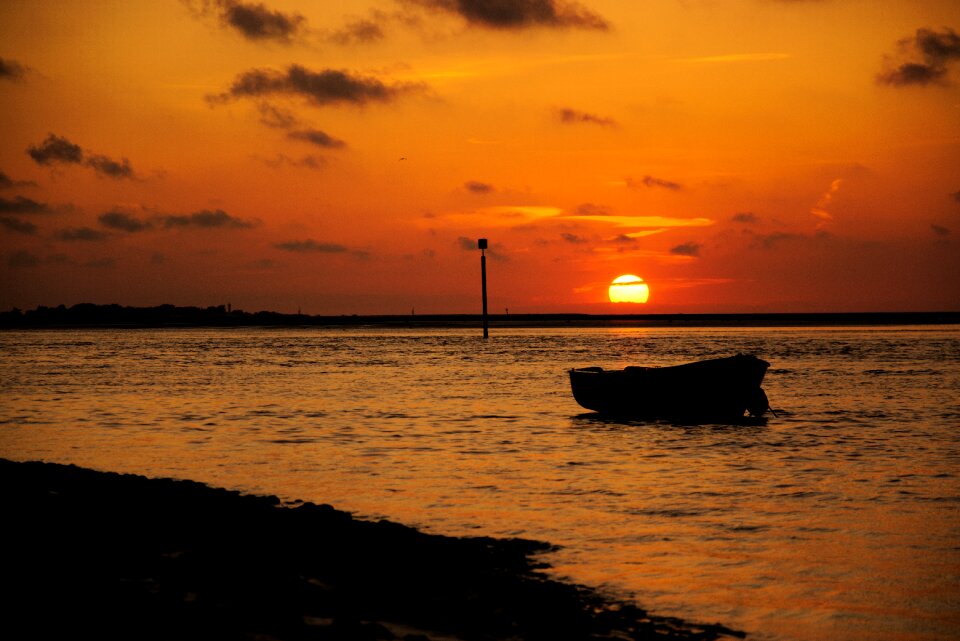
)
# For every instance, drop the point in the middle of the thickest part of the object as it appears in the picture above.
(837, 518)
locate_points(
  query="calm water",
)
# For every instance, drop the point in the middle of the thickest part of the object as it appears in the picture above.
(838, 520)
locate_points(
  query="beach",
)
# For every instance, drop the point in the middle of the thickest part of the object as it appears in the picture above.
(120, 556)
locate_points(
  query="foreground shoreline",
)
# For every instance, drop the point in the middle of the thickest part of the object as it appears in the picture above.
(120, 556)
(116, 316)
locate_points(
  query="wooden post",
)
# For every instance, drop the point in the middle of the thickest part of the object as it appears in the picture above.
(482, 244)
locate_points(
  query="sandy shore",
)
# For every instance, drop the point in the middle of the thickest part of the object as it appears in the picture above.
(110, 556)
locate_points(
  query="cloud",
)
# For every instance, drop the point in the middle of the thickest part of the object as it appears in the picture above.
(956, 196)
(57, 149)
(317, 137)
(109, 167)
(123, 222)
(310, 246)
(746, 217)
(477, 187)
(8, 183)
(519, 14)
(325, 87)
(467, 244)
(23, 259)
(205, 219)
(589, 209)
(18, 226)
(358, 31)
(820, 209)
(940, 231)
(12, 70)
(84, 234)
(257, 22)
(573, 238)
(309, 161)
(650, 182)
(686, 249)
(572, 116)
(921, 60)
(275, 117)
(21, 205)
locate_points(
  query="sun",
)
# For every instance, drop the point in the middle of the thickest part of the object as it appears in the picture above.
(628, 289)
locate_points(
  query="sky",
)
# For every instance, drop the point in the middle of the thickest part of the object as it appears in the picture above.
(344, 157)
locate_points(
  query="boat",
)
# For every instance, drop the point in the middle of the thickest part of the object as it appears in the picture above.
(714, 390)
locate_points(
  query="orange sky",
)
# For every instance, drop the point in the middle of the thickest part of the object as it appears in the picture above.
(343, 157)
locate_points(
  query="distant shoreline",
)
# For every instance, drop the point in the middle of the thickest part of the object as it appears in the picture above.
(169, 316)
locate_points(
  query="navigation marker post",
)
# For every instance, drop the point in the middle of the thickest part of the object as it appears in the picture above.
(482, 244)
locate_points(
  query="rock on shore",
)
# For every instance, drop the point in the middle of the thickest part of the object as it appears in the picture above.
(109, 556)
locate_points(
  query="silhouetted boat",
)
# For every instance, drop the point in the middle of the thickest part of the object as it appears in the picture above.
(715, 390)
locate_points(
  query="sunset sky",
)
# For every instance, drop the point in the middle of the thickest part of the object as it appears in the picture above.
(344, 157)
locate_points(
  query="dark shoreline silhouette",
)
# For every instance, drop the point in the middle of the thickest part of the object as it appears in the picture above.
(117, 556)
(117, 316)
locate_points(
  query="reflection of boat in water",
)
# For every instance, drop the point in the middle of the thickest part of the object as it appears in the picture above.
(719, 389)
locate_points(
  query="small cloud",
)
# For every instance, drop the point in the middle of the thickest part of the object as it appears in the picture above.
(497, 14)
(310, 161)
(774, 240)
(18, 226)
(21, 205)
(56, 149)
(12, 70)
(318, 138)
(84, 234)
(123, 222)
(940, 231)
(329, 86)
(746, 218)
(8, 183)
(257, 22)
(358, 31)
(23, 259)
(275, 117)
(589, 209)
(573, 238)
(572, 116)
(650, 182)
(921, 60)
(310, 246)
(686, 249)
(205, 219)
(467, 244)
(956, 196)
(109, 167)
(477, 187)
(820, 209)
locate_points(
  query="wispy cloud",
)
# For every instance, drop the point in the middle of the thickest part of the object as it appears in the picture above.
(573, 116)
(819, 210)
(12, 70)
(326, 87)
(205, 219)
(310, 246)
(318, 138)
(59, 150)
(644, 221)
(83, 234)
(922, 59)
(518, 14)
(363, 30)
(939, 230)
(123, 221)
(477, 187)
(18, 226)
(687, 249)
(6, 182)
(745, 218)
(23, 205)
(649, 182)
(765, 56)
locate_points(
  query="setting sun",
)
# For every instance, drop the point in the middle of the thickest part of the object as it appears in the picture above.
(628, 289)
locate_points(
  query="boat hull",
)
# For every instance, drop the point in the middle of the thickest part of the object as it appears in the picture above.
(720, 389)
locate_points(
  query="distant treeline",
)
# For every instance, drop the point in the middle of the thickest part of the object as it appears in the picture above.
(92, 315)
